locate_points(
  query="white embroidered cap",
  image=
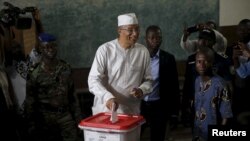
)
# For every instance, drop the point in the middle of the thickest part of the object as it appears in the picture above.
(127, 19)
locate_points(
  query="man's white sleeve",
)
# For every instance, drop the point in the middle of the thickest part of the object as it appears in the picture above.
(96, 77)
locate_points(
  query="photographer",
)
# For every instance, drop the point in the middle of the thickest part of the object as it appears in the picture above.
(241, 56)
(17, 64)
(191, 46)
(12, 19)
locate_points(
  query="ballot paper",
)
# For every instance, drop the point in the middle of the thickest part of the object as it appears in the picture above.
(113, 117)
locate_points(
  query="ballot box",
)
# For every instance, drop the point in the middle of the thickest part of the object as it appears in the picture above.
(99, 127)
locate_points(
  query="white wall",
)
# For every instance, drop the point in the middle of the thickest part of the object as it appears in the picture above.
(232, 11)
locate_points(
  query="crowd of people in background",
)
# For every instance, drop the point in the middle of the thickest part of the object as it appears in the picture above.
(37, 91)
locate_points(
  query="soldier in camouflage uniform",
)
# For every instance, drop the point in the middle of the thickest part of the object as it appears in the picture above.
(50, 103)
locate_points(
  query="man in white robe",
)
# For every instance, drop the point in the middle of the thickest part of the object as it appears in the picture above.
(120, 75)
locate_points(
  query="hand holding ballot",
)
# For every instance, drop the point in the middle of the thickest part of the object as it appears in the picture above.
(112, 104)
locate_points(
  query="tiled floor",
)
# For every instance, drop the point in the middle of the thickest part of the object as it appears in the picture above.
(180, 133)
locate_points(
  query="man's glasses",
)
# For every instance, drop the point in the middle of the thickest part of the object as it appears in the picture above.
(132, 30)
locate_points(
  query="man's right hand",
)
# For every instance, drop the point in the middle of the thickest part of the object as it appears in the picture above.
(110, 103)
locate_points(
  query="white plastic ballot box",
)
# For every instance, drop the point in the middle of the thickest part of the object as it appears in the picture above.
(99, 128)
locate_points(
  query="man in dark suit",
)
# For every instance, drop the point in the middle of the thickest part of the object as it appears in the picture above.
(163, 103)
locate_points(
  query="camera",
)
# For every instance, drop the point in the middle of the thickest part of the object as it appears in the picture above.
(192, 29)
(11, 16)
